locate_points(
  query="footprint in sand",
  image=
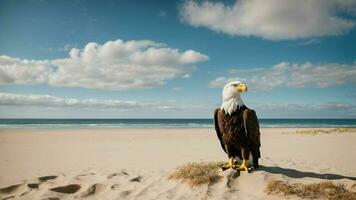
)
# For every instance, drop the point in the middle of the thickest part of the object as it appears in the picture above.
(67, 189)
(23, 191)
(46, 178)
(12, 191)
(136, 179)
(33, 185)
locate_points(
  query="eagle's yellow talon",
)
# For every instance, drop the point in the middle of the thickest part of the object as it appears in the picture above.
(244, 167)
(230, 164)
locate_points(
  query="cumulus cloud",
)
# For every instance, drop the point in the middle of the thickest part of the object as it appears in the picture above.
(272, 19)
(293, 76)
(115, 65)
(14, 70)
(298, 110)
(9, 99)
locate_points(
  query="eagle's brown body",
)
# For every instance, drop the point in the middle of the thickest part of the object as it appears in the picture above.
(235, 140)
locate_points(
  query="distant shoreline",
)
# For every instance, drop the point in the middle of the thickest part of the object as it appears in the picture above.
(165, 123)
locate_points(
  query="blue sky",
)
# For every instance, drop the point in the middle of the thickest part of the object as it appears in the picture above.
(171, 58)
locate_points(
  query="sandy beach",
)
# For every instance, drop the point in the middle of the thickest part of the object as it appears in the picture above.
(135, 163)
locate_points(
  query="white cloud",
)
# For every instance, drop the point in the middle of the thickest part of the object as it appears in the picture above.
(115, 65)
(21, 105)
(293, 76)
(23, 71)
(48, 106)
(307, 110)
(272, 19)
(9, 99)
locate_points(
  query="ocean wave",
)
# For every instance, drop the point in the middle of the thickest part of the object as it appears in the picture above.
(164, 123)
(54, 126)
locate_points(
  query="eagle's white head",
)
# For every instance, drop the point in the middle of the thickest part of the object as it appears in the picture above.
(231, 96)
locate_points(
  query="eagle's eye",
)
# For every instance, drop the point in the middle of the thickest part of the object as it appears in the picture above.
(235, 85)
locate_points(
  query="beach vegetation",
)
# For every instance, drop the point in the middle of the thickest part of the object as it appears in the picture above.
(197, 173)
(322, 190)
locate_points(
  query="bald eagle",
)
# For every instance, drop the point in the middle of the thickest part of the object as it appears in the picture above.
(237, 128)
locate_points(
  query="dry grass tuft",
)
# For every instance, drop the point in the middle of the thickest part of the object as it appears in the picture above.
(323, 190)
(345, 130)
(197, 173)
(326, 131)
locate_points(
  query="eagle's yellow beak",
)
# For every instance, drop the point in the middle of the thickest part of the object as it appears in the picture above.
(241, 88)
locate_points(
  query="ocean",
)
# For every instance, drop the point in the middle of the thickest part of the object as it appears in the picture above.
(163, 123)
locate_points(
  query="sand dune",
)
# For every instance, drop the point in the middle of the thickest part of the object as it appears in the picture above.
(135, 164)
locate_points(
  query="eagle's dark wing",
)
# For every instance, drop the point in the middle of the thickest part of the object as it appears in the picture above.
(253, 128)
(217, 128)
